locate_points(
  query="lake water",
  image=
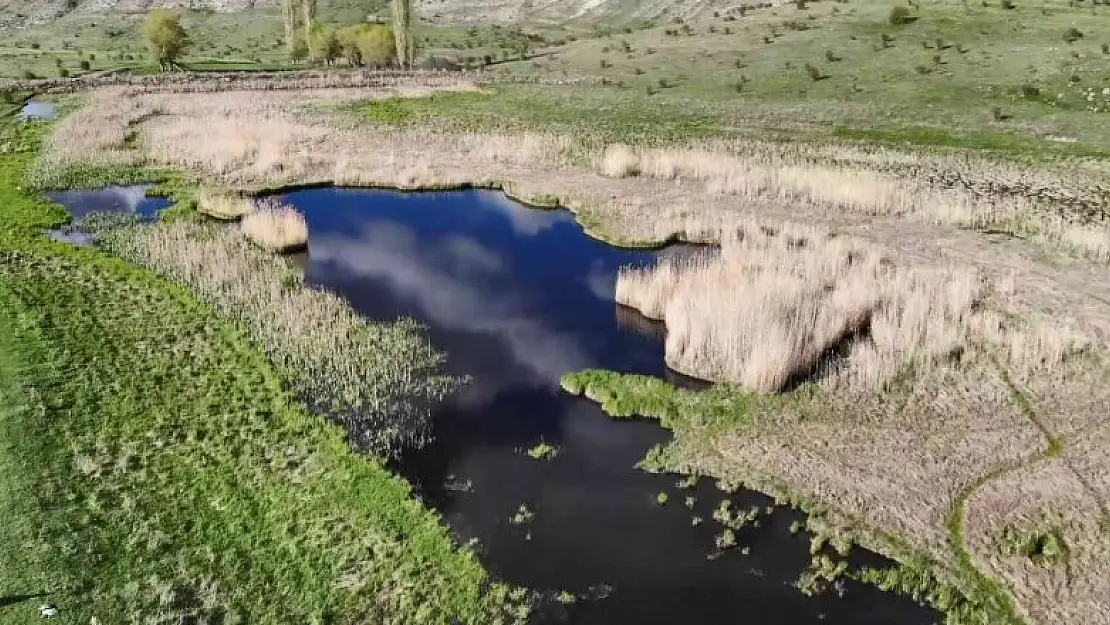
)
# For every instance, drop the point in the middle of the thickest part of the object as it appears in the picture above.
(35, 109)
(81, 203)
(517, 297)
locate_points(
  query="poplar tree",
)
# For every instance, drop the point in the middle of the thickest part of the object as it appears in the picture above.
(402, 31)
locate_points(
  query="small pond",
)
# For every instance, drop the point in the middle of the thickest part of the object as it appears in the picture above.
(123, 200)
(517, 297)
(110, 200)
(35, 109)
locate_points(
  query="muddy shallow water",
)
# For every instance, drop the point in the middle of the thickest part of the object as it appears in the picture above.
(516, 297)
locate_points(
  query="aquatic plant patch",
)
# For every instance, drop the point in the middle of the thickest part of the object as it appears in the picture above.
(380, 380)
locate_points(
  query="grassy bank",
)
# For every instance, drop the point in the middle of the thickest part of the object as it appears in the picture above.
(154, 466)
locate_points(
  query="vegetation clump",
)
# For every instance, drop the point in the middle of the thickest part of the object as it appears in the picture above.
(224, 206)
(165, 39)
(900, 15)
(542, 451)
(1043, 545)
(275, 227)
(379, 380)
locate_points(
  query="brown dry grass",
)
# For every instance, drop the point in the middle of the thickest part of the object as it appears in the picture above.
(1045, 495)
(875, 183)
(985, 316)
(799, 304)
(223, 205)
(275, 227)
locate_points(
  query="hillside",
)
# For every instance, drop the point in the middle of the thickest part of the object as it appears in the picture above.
(16, 13)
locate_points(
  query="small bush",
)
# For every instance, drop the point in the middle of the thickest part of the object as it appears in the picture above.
(1008, 4)
(1030, 92)
(29, 75)
(35, 46)
(831, 57)
(814, 73)
(888, 41)
(900, 15)
(63, 72)
(1106, 48)
(85, 65)
(1072, 35)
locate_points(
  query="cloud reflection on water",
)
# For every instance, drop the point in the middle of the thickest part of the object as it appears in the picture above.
(458, 284)
(81, 203)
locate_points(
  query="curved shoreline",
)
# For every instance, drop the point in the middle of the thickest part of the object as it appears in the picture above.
(872, 538)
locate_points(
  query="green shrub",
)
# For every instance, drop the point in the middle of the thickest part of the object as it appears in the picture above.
(1030, 92)
(900, 15)
(85, 65)
(1072, 35)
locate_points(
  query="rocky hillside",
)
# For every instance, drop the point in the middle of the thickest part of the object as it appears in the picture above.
(472, 11)
(22, 12)
(15, 13)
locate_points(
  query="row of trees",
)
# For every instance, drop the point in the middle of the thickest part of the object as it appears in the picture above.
(361, 44)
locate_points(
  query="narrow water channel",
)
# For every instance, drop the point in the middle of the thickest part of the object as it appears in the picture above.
(517, 297)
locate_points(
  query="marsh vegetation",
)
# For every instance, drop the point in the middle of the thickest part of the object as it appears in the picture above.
(906, 314)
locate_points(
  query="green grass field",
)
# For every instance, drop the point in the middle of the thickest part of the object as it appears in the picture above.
(152, 464)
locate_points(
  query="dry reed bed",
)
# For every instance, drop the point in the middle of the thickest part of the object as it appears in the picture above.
(858, 181)
(779, 306)
(265, 138)
(223, 205)
(275, 227)
(379, 380)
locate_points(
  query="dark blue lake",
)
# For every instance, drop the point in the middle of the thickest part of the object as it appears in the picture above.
(517, 297)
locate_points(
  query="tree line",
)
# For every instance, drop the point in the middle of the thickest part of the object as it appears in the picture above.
(305, 37)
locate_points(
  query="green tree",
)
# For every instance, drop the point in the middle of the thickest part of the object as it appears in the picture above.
(377, 45)
(165, 39)
(299, 51)
(348, 43)
(402, 31)
(332, 47)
